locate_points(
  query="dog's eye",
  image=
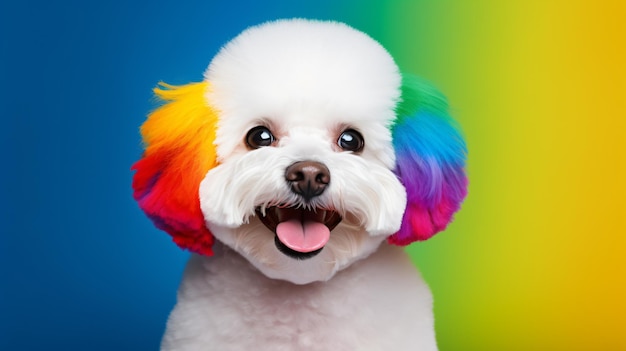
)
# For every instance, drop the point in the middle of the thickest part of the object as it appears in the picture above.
(351, 140)
(259, 137)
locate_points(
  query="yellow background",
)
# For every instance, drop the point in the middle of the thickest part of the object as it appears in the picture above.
(535, 260)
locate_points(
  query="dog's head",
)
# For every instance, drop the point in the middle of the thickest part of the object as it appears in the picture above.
(303, 149)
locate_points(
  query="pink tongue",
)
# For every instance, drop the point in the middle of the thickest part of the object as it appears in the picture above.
(303, 237)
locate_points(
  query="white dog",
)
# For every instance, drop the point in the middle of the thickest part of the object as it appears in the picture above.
(311, 159)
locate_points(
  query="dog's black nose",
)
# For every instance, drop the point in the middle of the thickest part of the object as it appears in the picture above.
(308, 178)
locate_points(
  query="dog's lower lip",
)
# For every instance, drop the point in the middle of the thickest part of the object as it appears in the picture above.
(293, 253)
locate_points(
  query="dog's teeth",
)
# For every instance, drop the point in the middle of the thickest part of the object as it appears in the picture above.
(263, 210)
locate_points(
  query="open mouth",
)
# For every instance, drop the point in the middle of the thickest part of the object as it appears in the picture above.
(300, 233)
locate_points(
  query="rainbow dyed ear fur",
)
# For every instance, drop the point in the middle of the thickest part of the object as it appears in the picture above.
(430, 161)
(179, 151)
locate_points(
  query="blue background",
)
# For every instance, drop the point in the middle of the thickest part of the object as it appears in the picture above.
(81, 266)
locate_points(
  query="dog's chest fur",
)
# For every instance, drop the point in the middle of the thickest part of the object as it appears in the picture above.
(224, 303)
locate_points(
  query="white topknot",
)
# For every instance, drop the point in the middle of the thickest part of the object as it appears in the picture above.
(321, 70)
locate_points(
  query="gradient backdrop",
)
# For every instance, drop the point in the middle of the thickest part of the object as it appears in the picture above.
(534, 261)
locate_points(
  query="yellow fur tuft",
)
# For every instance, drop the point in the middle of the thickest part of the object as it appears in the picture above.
(183, 128)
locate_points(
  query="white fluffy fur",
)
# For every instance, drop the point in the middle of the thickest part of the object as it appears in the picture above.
(377, 304)
(307, 82)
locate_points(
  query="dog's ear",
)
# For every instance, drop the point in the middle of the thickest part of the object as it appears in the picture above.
(430, 161)
(178, 139)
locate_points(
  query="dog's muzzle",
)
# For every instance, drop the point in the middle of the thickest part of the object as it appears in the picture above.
(300, 233)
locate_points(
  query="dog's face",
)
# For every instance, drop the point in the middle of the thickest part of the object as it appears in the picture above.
(304, 148)
(307, 149)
